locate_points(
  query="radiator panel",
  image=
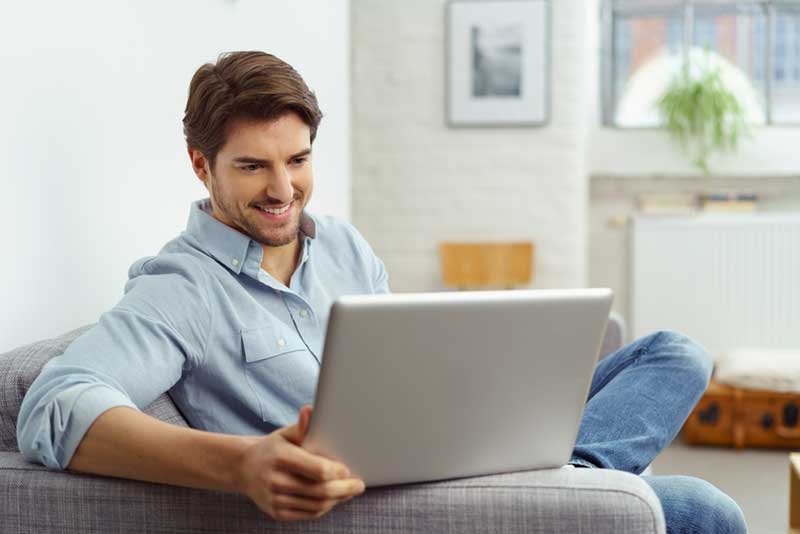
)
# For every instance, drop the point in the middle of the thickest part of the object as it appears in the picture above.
(725, 280)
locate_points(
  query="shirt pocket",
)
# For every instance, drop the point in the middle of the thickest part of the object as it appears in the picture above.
(280, 371)
(269, 342)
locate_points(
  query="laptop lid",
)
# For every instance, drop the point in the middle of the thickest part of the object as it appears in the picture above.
(429, 386)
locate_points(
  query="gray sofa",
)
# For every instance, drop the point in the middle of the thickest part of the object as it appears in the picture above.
(34, 499)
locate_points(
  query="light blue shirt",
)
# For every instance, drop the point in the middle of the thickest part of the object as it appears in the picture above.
(238, 351)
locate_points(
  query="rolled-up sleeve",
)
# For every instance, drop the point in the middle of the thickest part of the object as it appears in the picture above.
(137, 351)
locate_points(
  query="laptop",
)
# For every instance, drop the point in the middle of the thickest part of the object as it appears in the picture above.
(428, 386)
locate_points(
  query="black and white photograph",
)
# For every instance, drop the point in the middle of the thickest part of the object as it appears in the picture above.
(498, 61)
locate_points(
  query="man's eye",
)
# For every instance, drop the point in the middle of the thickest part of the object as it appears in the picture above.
(300, 160)
(251, 167)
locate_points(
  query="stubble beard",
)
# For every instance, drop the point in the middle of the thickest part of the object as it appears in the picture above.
(247, 221)
(272, 236)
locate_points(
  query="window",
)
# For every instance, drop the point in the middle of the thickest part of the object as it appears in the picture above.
(786, 86)
(754, 43)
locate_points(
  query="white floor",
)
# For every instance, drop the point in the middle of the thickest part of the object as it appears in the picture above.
(756, 479)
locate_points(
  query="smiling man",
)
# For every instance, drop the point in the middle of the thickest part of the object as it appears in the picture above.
(230, 318)
(278, 150)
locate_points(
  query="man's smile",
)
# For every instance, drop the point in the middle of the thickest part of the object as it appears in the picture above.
(276, 214)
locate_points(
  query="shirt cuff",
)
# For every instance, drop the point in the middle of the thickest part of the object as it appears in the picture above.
(81, 412)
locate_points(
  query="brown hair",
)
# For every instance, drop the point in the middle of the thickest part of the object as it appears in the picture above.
(253, 85)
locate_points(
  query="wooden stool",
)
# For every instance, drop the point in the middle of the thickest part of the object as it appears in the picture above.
(486, 265)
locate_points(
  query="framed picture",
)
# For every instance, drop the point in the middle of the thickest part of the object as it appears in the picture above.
(498, 62)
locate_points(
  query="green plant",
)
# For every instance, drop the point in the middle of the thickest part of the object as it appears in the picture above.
(701, 113)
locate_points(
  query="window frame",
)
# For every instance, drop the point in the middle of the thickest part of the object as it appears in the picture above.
(612, 10)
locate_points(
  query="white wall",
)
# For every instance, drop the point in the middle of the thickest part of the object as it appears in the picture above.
(418, 182)
(641, 153)
(92, 157)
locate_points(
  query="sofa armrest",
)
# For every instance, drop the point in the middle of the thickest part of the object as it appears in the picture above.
(581, 501)
(615, 334)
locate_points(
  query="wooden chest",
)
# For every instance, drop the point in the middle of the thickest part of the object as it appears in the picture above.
(740, 418)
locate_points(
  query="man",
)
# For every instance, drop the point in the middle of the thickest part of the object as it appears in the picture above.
(230, 318)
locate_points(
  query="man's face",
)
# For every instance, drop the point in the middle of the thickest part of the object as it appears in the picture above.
(262, 178)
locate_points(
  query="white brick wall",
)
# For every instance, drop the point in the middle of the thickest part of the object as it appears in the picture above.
(417, 182)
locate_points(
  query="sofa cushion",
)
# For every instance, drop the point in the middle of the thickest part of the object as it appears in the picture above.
(20, 367)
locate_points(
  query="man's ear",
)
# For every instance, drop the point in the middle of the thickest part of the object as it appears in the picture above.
(199, 164)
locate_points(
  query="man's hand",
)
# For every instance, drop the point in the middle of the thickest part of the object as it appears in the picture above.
(288, 482)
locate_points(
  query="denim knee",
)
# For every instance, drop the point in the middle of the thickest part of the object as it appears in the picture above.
(691, 505)
(693, 356)
(722, 513)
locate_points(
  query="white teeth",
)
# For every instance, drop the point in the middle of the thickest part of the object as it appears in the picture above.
(276, 211)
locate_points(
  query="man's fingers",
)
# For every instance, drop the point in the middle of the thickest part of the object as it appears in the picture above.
(285, 500)
(312, 466)
(336, 489)
(291, 433)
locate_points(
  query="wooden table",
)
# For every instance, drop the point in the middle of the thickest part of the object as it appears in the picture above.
(794, 493)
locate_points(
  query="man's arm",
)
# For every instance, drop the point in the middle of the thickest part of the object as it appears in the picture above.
(126, 443)
(88, 400)
(375, 270)
(136, 351)
(282, 478)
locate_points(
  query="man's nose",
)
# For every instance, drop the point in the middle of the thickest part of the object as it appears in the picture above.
(280, 187)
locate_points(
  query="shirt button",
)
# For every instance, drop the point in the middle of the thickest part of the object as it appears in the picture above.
(303, 313)
(281, 342)
(235, 262)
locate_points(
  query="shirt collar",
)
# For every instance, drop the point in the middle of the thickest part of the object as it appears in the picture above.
(228, 245)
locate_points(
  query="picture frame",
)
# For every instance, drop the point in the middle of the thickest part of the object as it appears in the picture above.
(498, 62)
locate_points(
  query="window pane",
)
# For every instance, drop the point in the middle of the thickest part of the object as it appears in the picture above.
(647, 49)
(734, 39)
(786, 66)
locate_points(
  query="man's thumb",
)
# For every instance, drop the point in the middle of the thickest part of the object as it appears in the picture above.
(296, 433)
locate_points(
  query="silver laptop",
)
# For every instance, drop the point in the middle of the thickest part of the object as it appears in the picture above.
(431, 386)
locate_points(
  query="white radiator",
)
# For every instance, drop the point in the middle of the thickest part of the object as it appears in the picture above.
(726, 280)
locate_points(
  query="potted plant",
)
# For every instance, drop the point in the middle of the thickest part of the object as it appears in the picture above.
(701, 113)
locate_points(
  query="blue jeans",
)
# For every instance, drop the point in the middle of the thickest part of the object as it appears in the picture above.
(638, 401)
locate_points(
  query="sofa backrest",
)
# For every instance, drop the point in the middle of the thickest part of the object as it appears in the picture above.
(20, 367)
